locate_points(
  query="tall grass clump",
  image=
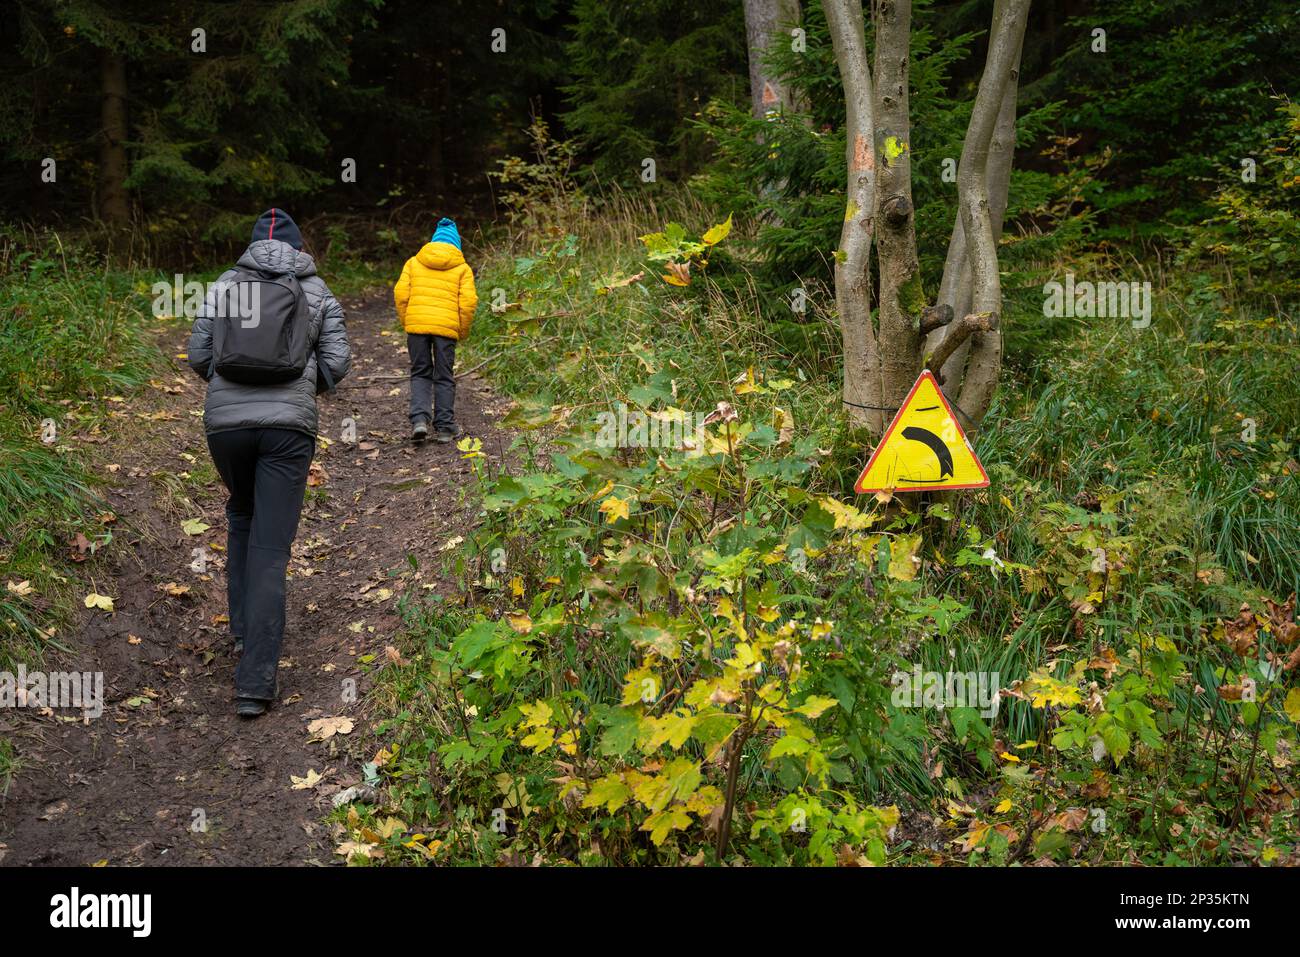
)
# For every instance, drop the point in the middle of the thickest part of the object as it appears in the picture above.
(72, 336)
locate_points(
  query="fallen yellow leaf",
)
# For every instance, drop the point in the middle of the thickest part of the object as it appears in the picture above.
(102, 602)
(307, 781)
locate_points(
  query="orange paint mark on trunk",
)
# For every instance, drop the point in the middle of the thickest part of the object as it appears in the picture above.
(863, 157)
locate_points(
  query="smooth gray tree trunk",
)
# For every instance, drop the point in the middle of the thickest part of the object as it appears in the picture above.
(962, 332)
(862, 386)
(768, 22)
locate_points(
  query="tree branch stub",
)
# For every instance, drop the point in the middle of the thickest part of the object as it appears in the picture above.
(957, 334)
(935, 317)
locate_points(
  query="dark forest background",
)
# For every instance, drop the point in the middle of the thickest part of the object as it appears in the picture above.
(187, 145)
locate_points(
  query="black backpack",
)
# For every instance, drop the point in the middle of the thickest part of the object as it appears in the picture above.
(260, 329)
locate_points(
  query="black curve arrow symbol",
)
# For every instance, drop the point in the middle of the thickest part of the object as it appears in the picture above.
(936, 445)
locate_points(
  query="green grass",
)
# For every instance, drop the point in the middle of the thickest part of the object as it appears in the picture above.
(73, 339)
(8, 766)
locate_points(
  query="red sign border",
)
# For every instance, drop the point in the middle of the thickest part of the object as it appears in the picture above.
(925, 374)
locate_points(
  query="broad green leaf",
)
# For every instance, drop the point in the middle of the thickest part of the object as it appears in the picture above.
(610, 791)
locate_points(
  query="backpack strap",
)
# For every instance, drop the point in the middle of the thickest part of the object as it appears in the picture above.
(324, 369)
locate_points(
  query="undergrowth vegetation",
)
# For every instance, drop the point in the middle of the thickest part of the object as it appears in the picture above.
(685, 640)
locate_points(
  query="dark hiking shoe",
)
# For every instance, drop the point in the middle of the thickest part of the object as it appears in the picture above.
(420, 431)
(443, 436)
(255, 707)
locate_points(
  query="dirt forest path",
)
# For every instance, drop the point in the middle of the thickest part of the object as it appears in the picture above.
(168, 753)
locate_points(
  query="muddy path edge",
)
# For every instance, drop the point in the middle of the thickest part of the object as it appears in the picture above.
(168, 774)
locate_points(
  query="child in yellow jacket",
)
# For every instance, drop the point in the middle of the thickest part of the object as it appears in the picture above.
(435, 300)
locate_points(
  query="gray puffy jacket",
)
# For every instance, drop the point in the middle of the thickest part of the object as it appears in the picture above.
(289, 405)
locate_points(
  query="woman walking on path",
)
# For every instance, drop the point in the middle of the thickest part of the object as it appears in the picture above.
(269, 337)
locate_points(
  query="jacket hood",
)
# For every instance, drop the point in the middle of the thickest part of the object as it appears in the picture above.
(277, 257)
(440, 256)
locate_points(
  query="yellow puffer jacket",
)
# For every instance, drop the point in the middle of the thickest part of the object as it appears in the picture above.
(436, 292)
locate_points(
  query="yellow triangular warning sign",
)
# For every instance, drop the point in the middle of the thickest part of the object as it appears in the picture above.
(923, 448)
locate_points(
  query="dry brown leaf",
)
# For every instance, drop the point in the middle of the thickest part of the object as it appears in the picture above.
(323, 728)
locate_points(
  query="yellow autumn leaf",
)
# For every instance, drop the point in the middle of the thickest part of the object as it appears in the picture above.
(614, 508)
(539, 740)
(679, 274)
(975, 836)
(718, 233)
(845, 515)
(102, 602)
(903, 560)
(307, 781)
(1292, 705)
(745, 382)
(536, 715)
(784, 422)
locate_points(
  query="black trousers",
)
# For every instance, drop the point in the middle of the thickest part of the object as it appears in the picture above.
(265, 471)
(433, 386)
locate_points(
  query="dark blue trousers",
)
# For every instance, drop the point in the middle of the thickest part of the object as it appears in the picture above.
(265, 472)
(433, 386)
